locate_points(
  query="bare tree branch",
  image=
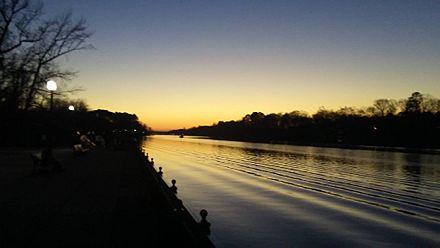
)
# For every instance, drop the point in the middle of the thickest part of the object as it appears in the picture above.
(30, 47)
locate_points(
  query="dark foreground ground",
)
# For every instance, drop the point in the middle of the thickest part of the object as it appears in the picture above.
(102, 199)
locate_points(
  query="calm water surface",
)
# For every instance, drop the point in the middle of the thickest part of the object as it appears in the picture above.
(262, 195)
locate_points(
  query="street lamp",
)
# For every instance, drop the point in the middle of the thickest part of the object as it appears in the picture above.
(51, 86)
(71, 108)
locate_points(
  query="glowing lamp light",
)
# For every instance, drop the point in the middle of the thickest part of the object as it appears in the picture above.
(51, 85)
(71, 108)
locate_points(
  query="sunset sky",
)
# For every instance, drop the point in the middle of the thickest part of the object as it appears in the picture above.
(185, 63)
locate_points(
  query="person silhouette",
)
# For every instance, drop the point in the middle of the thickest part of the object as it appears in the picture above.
(160, 172)
(85, 141)
(100, 141)
(48, 159)
(173, 187)
(205, 226)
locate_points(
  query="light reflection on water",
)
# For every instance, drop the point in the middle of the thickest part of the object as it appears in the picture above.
(263, 195)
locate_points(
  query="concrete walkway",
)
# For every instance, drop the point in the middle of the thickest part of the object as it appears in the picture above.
(102, 199)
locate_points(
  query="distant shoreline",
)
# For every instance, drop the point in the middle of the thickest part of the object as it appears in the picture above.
(341, 146)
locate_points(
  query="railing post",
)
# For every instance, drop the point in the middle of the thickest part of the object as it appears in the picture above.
(205, 226)
(173, 187)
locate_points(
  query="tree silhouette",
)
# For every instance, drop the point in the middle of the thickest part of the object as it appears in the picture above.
(29, 48)
(430, 104)
(414, 102)
(383, 107)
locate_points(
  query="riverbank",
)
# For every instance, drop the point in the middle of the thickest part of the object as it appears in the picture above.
(102, 199)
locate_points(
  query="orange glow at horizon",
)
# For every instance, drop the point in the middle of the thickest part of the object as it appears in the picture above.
(200, 99)
(180, 65)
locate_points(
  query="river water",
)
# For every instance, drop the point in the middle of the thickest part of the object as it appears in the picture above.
(264, 195)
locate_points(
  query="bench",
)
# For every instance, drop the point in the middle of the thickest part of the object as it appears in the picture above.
(37, 163)
(78, 149)
(45, 162)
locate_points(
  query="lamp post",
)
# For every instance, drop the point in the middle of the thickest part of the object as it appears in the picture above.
(51, 86)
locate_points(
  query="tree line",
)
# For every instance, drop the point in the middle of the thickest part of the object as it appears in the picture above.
(34, 127)
(411, 122)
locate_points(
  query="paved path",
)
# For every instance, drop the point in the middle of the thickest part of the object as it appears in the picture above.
(103, 199)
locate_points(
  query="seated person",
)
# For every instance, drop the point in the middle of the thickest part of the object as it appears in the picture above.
(47, 159)
(86, 142)
(100, 141)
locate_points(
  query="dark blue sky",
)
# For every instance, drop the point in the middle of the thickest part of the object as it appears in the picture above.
(204, 61)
